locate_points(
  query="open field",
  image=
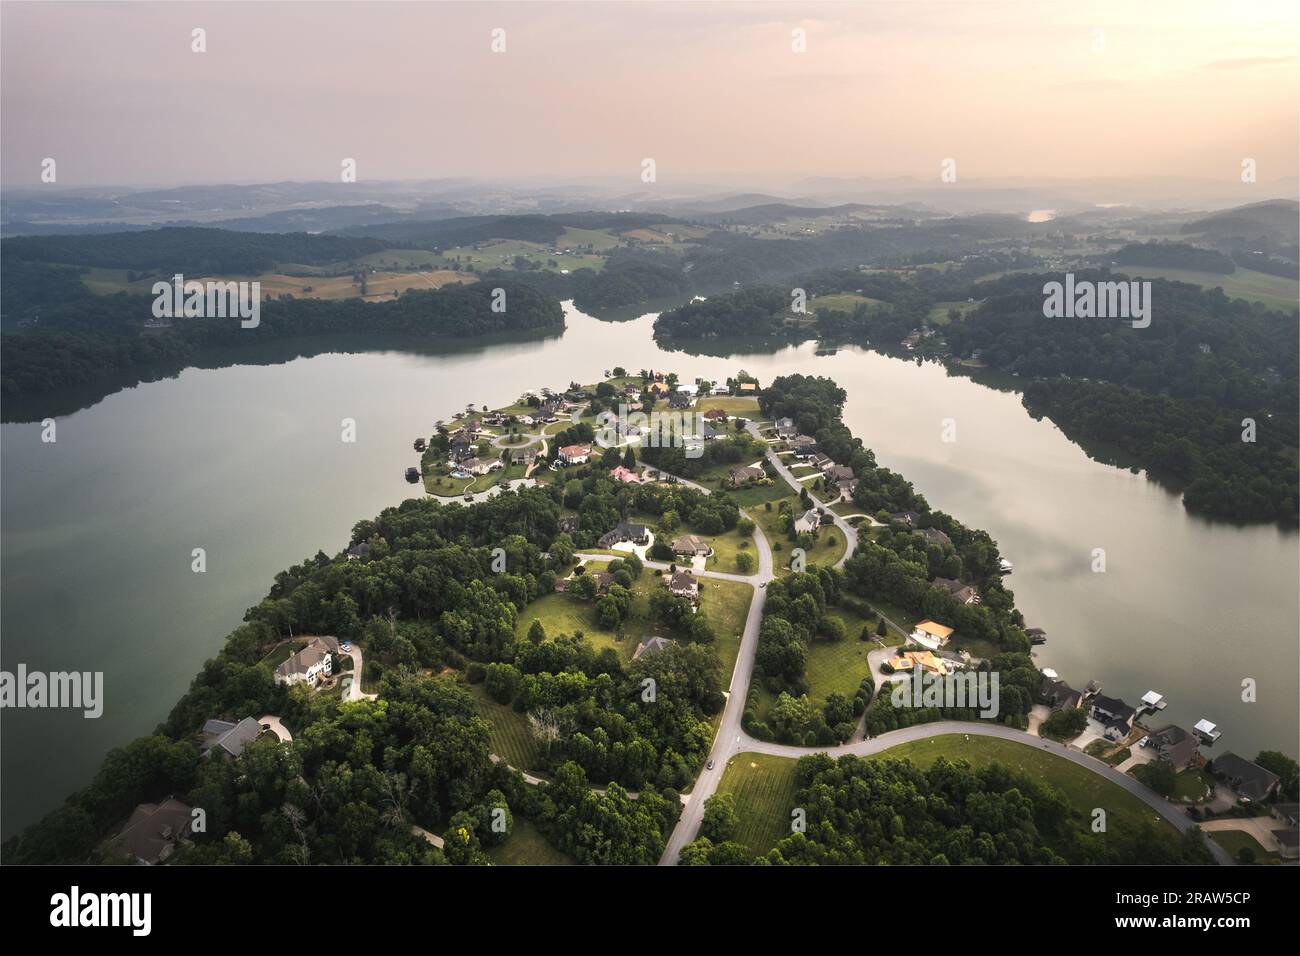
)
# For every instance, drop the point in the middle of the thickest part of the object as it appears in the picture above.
(939, 311)
(509, 734)
(527, 847)
(574, 238)
(1275, 292)
(1081, 787)
(725, 549)
(763, 788)
(734, 405)
(844, 302)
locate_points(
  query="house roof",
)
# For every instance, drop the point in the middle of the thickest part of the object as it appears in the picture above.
(234, 740)
(934, 629)
(575, 451)
(153, 829)
(690, 542)
(1250, 779)
(934, 536)
(303, 660)
(838, 472)
(650, 646)
(682, 580)
(1113, 706)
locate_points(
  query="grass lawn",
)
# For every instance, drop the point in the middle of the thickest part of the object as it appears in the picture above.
(281, 653)
(725, 548)
(509, 734)
(1193, 785)
(727, 605)
(763, 789)
(1080, 786)
(527, 847)
(753, 497)
(1235, 840)
(939, 311)
(843, 302)
(735, 406)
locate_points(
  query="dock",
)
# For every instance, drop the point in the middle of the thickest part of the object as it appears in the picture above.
(1153, 701)
(1207, 731)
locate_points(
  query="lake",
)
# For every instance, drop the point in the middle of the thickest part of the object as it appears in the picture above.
(247, 462)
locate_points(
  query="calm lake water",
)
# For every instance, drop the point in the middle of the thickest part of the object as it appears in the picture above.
(247, 462)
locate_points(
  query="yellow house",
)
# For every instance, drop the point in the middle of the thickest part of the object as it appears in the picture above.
(931, 635)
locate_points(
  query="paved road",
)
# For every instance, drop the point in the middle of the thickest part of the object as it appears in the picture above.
(731, 738)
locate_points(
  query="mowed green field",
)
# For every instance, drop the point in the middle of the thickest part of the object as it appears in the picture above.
(1083, 788)
(1275, 292)
(509, 733)
(844, 302)
(763, 789)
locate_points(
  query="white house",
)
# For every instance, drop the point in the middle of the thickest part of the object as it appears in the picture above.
(309, 664)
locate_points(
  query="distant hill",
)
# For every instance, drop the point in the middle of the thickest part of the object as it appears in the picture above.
(1277, 220)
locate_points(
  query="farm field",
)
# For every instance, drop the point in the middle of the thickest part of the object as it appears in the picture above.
(844, 302)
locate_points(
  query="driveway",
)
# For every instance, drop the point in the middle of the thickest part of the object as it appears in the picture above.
(354, 689)
(276, 727)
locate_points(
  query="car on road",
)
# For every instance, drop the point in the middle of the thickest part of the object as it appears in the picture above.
(469, 496)
(709, 765)
(762, 584)
(345, 647)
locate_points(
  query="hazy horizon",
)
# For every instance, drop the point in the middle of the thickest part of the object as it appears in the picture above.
(713, 92)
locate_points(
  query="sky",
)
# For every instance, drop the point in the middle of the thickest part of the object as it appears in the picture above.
(717, 91)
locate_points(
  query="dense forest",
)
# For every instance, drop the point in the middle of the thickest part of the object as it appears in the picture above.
(88, 337)
(1173, 255)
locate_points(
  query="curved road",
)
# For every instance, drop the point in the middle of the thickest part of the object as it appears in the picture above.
(731, 738)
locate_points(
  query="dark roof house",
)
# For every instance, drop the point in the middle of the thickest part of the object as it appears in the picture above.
(151, 833)
(1251, 781)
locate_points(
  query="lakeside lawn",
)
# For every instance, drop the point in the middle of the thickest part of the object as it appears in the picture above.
(734, 405)
(763, 789)
(1082, 788)
(726, 547)
(525, 846)
(753, 497)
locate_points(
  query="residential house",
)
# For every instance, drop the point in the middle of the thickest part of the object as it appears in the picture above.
(693, 545)
(684, 584)
(603, 580)
(847, 488)
(809, 521)
(935, 536)
(1251, 781)
(931, 635)
(837, 473)
(909, 518)
(569, 524)
(307, 665)
(746, 388)
(928, 661)
(626, 475)
(804, 447)
(657, 388)
(625, 531)
(476, 466)
(819, 461)
(153, 830)
(651, 646)
(1059, 695)
(230, 739)
(687, 389)
(785, 428)
(359, 551)
(746, 474)
(1175, 746)
(1288, 813)
(575, 454)
(680, 400)
(523, 456)
(1115, 716)
(961, 591)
